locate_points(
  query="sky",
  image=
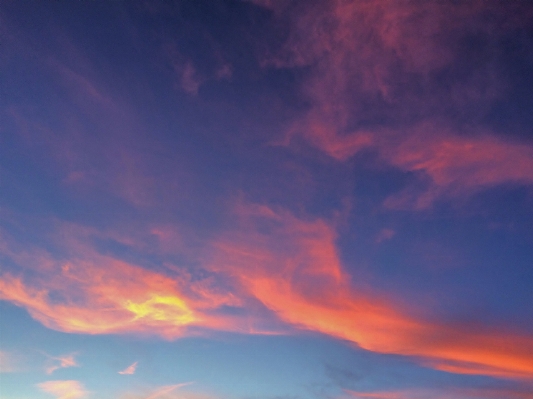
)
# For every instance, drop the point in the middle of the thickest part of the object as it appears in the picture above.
(266, 199)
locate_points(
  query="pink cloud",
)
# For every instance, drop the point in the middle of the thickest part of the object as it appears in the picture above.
(59, 362)
(457, 165)
(364, 57)
(167, 389)
(129, 370)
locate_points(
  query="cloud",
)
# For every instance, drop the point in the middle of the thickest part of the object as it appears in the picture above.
(163, 391)
(60, 362)
(189, 79)
(291, 265)
(277, 267)
(89, 292)
(374, 80)
(167, 392)
(64, 389)
(433, 393)
(457, 165)
(98, 301)
(130, 369)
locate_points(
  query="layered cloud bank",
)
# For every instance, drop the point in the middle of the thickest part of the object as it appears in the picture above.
(289, 265)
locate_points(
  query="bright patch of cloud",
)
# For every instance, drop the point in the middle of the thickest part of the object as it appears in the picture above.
(129, 370)
(65, 389)
(292, 266)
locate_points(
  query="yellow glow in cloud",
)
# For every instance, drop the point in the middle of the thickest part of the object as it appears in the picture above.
(103, 295)
(165, 308)
(66, 389)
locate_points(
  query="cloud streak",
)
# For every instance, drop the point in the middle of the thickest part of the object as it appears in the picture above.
(294, 270)
(161, 392)
(457, 165)
(60, 362)
(459, 393)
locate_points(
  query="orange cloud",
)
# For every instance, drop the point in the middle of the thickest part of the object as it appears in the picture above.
(66, 389)
(129, 370)
(293, 268)
(99, 294)
(111, 298)
(289, 265)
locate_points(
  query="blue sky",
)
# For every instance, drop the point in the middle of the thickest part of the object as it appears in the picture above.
(266, 199)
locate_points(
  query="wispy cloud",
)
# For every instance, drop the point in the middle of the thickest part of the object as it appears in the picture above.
(129, 370)
(294, 269)
(443, 393)
(163, 391)
(289, 264)
(365, 57)
(64, 389)
(59, 362)
(103, 294)
(167, 392)
(456, 165)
